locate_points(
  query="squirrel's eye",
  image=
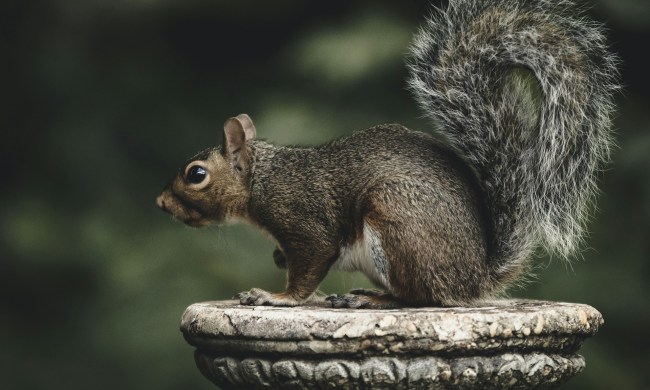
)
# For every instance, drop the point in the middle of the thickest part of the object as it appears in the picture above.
(196, 174)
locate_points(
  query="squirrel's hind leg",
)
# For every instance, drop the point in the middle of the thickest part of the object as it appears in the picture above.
(366, 291)
(431, 240)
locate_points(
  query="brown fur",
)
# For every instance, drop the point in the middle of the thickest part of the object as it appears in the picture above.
(417, 195)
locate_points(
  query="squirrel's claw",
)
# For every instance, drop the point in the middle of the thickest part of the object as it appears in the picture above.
(359, 300)
(347, 301)
(355, 298)
(259, 297)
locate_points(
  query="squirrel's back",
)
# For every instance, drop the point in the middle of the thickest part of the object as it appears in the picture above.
(523, 91)
(346, 167)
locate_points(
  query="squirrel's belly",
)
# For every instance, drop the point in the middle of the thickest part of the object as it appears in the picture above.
(366, 255)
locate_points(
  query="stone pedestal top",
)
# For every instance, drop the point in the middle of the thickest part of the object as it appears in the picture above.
(500, 344)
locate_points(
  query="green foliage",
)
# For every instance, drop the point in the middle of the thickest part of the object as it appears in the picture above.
(107, 98)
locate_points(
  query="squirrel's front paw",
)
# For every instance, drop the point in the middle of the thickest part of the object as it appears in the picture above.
(259, 297)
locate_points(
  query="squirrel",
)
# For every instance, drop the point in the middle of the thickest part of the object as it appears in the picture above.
(521, 93)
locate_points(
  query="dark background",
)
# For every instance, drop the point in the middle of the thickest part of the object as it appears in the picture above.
(103, 99)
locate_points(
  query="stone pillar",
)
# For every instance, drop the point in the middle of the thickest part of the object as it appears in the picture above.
(509, 344)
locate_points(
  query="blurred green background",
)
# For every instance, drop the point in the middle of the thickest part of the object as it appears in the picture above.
(103, 99)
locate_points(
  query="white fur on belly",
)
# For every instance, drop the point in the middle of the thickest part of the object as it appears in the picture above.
(365, 255)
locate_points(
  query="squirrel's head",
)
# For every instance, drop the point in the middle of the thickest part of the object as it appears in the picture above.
(212, 185)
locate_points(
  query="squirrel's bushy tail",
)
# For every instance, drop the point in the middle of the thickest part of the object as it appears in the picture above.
(523, 90)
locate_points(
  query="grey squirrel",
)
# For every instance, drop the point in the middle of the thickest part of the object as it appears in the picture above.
(521, 93)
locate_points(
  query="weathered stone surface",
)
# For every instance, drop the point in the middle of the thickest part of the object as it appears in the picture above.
(501, 344)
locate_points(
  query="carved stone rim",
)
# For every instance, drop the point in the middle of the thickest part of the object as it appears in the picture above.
(519, 371)
(493, 327)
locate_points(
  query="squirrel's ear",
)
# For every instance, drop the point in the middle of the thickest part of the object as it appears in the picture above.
(249, 127)
(233, 148)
